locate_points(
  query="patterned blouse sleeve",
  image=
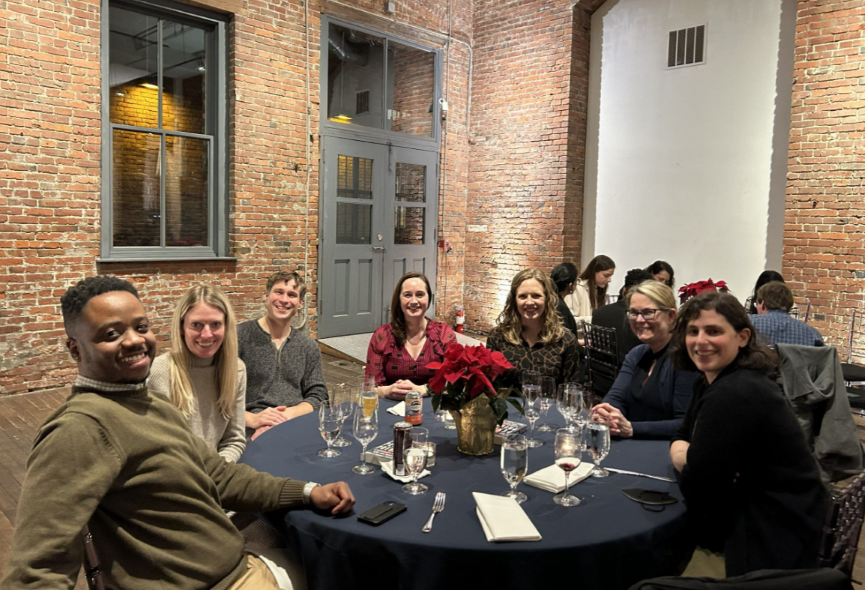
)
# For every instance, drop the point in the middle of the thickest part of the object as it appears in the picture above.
(570, 358)
(375, 354)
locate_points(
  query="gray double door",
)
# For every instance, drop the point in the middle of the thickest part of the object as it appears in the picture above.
(379, 222)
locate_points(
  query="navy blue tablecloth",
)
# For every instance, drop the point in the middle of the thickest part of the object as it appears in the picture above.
(609, 541)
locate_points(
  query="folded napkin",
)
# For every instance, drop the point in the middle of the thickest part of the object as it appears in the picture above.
(397, 409)
(387, 467)
(552, 478)
(503, 519)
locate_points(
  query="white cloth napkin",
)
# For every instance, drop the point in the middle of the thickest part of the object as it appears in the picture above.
(387, 467)
(397, 409)
(552, 478)
(503, 519)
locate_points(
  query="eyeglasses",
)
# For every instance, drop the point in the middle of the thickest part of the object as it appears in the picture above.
(648, 314)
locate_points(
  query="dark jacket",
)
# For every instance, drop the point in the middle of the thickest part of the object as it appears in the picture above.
(567, 316)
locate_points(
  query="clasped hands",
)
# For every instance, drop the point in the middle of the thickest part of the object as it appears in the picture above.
(398, 390)
(619, 425)
(268, 418)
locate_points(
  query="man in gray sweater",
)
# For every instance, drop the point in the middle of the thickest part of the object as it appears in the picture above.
(283, 366)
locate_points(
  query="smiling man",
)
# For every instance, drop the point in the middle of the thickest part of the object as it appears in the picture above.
(124, 462)
(284, 377)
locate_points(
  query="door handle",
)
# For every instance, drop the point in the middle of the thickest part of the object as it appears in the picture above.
(378, 248)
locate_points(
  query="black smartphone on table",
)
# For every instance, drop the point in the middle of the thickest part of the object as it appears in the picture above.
(381, 513)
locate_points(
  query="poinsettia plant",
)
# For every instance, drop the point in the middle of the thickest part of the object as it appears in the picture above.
(468, 372)
(692, 289)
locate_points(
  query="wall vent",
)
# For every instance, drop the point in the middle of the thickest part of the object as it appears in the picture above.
(687, 47)
(362, 102)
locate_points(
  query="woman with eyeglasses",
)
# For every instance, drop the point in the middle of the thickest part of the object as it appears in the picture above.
(650, 397)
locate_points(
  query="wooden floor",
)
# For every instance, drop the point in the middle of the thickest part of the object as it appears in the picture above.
(21, 416)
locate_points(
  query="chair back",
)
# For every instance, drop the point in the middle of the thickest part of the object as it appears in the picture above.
(807, 311)
(842, 526)
(601, 353)
(92, 570)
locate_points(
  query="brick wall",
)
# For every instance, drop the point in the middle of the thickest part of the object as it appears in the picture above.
(823, 232)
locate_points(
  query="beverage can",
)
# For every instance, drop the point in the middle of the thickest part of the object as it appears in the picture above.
(401, 437)
(414, 408)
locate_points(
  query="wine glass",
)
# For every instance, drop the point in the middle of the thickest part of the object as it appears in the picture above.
(515, 464)
(342, 396)
(598, 443)
(365, 429)
(329, 422)
(367, 397)
(414, 457)
(546, 399)
(569, 453)
(531, 393)
(587, 399)
(569, 403)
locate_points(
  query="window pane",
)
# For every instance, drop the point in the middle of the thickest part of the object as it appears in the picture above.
(408, 225)
(353, 223)
(355, 62)
(354, 180)
(411, 88)
(183, 77)
(410, 182)
(186, 175)
(132, 68)
(135, 190)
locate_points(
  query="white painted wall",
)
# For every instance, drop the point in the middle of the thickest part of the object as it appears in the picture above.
(680, 163)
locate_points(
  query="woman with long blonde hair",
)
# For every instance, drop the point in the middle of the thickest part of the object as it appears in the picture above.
(201, 375)
(529, 331)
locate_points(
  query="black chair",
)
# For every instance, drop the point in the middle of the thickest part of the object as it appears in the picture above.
(842, 527)
(601, 356)
(92, 570)
(855, 345)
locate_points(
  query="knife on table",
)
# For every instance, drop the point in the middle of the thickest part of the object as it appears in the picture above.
(625, 472)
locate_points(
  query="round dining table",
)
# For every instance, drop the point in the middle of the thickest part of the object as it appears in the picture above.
(607, 542)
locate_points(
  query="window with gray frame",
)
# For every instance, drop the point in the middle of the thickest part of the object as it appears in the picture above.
(163, 182)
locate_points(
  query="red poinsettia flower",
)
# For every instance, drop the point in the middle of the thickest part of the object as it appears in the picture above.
(476, 365)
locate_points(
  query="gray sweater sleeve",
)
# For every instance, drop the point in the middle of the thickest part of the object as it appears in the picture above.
(313, 388)
(233, 441)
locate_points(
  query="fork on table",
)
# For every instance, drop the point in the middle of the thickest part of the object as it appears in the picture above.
(438, 506)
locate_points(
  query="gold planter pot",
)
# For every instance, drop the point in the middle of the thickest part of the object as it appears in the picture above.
(476, 426)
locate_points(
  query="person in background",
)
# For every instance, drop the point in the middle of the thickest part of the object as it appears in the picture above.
(650, 396)
(767, 276)
(773, 321)
(399, 351)
(201, 375)
(530, 334)
(284, 377)
(590, 291)
(749, 480)
(662, 272)
(564, 277)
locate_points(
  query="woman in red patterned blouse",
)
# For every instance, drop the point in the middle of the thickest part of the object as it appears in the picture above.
(399, 352)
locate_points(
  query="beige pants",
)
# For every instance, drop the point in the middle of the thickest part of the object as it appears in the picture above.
(705, 564)
(257, 577)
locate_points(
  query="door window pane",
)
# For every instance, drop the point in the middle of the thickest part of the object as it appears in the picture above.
(354, 178)
(411, 89)
(410, 182)
(353, 223)
(132, 70)
(135, 194)
(186, 191)
(183, 77)
(408, 225)
(355, 76)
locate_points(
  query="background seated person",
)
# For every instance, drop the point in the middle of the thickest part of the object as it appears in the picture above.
(650, 396)
(564, 277)
(530, 334)
(202, 375)
(399, 352)
(283, 366)
(773, 321)
(590, 291)
(767, 276)
(662, 272)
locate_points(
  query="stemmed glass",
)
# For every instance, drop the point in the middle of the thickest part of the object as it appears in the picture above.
(367, 397)
(531, 393)
(598, 444)
(344, 400)
(365, 429)
(569, 453)
(569, 402)
(414, 458)
(585, 413)
(546, 399)
(515, 464)
(329, 422)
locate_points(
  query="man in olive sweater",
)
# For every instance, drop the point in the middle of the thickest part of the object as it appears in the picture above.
(125, 462)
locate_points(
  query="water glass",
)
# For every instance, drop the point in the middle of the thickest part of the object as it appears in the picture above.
(329, 423)
(515, 465)
(546, 400)
(569, 402)
(365, 430)
(597, 437)
(414, 459)
(531, 409)
(450, 423)
(343, 397)
(569, 455)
